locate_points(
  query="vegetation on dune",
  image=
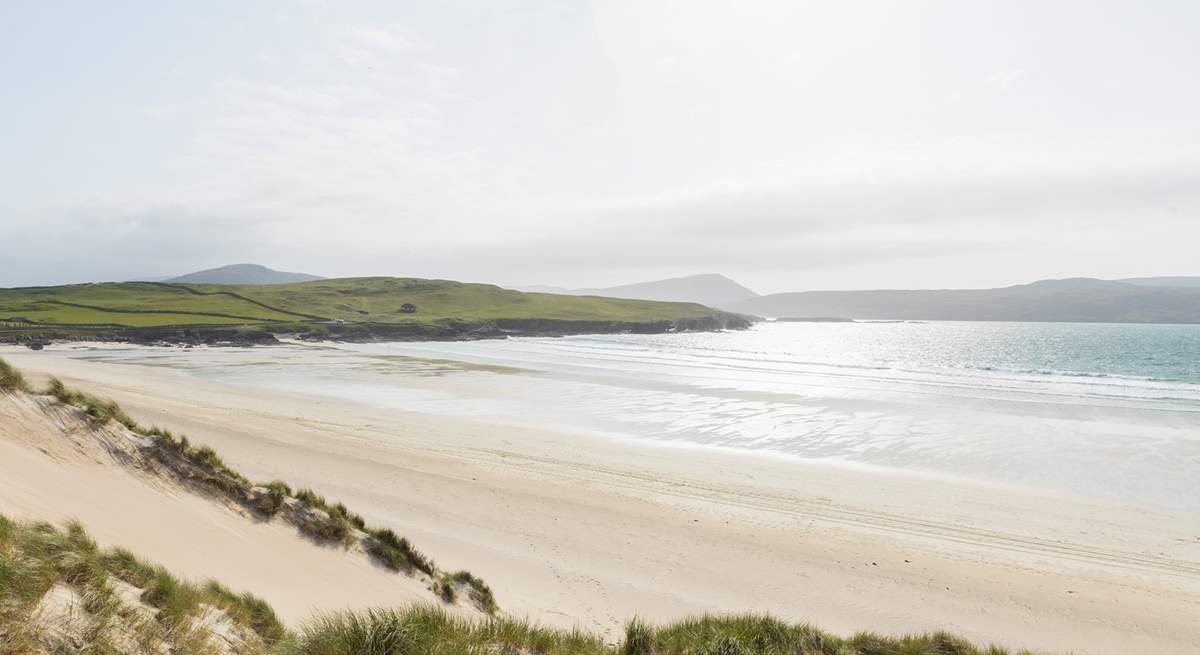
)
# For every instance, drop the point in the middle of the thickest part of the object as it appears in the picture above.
(164, 614)
(757, 633)
(35, 557)
(314, 516)
(425, 629)
(101, 410)
(397, 553)
(11, 379)
(271, 502)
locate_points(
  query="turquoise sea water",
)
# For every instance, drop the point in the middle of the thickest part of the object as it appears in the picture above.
(1108, 411)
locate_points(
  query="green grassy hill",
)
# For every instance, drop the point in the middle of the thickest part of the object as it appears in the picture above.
(371, 300)
(133, 304)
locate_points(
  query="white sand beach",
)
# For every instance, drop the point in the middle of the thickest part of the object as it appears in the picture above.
(572, 529)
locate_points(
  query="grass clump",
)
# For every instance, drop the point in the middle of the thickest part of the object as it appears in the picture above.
(396, 553)
(36, 556)
(478, 590)
(752, 634)
(206, 467)
(445, 588)
(248, 610)
(215, 473)
(639, 638)
(340, 510)
(175, 599)
(101, 410)
(129, 567)
(11, 379)
(270, 502)
(323, 522)
(335, 510)
(311, 498)
(325, 528)
(429, 629)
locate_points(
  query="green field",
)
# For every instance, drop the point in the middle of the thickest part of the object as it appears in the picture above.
(371, 300)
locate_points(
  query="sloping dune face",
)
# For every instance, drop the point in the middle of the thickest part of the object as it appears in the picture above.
(56, 465)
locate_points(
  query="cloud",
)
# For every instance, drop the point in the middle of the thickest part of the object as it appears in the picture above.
(111, 241)
(351, 227)
(567, 145)
(377, 37)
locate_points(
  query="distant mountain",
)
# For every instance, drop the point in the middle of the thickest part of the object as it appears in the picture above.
(243, 274)
(1191, 281)
(707, 289)
(1076, 299)
(542, 288)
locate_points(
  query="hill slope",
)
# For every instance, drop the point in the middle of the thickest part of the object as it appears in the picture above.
(1190, 281)
(381, 299)
(406, 307)
(242, 274)
(710, 289)
(1076, 299)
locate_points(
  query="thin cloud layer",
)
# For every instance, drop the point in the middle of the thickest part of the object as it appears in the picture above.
(789, 146)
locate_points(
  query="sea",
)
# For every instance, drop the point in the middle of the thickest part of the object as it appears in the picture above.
(1104, 411)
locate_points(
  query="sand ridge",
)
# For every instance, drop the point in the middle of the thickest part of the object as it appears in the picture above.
(55, 467)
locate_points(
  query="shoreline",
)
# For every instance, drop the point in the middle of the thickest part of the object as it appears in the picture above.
(570, 527)
(527, 384)
(247, 335)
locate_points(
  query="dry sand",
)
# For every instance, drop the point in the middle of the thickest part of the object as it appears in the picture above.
(578, 530)
(43, 478)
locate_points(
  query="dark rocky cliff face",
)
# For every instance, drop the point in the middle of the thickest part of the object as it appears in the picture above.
(502, 328)
(544, 327)
(363, 332)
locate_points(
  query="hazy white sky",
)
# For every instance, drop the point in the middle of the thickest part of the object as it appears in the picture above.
(791, 145)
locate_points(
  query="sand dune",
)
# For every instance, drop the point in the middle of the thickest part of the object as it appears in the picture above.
(571, 529)
(59, 469)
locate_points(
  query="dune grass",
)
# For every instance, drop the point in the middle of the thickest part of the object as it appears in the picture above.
(756, 633)
(101, 410)
(336, 512)
(34, 557)
(11, 379)
(397, 553)
(320, 520)
(272, 501)
(429, 629)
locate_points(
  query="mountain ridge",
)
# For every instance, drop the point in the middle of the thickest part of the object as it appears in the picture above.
(1189, 281)
(1061, 300)
(710, 289)
(242, 274)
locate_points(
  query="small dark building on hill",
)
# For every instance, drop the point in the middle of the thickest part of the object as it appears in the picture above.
(408, 308)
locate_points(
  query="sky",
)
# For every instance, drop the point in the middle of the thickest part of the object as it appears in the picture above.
(790, 145)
